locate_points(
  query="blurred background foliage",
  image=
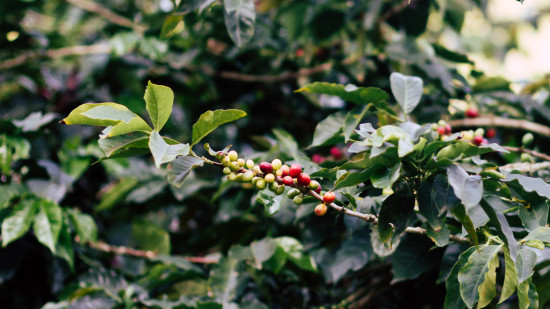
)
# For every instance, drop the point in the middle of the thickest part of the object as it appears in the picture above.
(194, 245)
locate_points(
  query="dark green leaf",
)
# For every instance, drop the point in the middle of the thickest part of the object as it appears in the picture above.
(47, 223)
(525, 264)
(395, 214)
(151, 237)
(460, 213)
(450, 55)
(328, 128)
(267, 253)
(295, 253)
(210, 120)
(534, 216)
(352, 178)
(434, 199)
(413, 257)
(120, 143)
(180, 167)
(270, 200)
(384, 178)
(498, 220)
(469, 189)
(84, 225)
(453, 299)
(530, 184)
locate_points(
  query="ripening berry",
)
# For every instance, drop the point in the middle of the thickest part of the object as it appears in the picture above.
(448, 129)
(239, 178)
(255, 179)
(285, 170)
(472, 112)
(441, 131)
(527, 139)
(257, 169)
(226, 170)
(249, 164)
(479, 131)
(329, 197)
(321, 210)
(232, 176)
(233, 155)
(269, 178)
(300, 52)
(292, 193)
(303, 179)
(441, 123)
(273, 186)
(279, 173)
(234, 166)
(261, 184)
(241, 162)
(288, 181)
(276, 164)
(248, 176)
(336, 153)
(295, 170)
(478, 139)
(317, 158)
(298, 200)
(314, 184)
(318, 190)
(226, 161)
(491, 133)
(280, 190)
(266, 167)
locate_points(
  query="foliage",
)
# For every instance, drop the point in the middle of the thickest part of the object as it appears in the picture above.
(421, 218)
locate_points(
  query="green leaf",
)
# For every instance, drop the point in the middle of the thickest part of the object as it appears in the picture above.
(407, 90)
(487, 290)
(352, 255)
(527, 294)
(170, 25)
(472, 275)
(158, 101)
(351, 121)
(351, 93)
(118, 118)
(268, 254)
(395, 214)
(18, 222)
(450, 55)
(384, 178)
(286, 143)
(151, 237)
(164, 153)
(270, 200)
(504, 231)
(460, 150)
(328, 128)
(239, 16)
(353, 178)
(34, 121)
(525, 264)
(540, 233)
(486, 84)
(116, 193)
(180, 167)
(47, 223)
(210, 120)
(434, 199)
(64, 248)
(453, 299)
(510, 277)
(223, 281)
(469, 189)
(413, 257)
(534, 216)
(460, 213)
(530, 184)
(84, 225)
(117, 144)
(295, 253)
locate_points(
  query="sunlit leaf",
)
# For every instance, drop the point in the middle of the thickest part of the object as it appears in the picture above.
(210, 120)
(158, 101)
(407, 90)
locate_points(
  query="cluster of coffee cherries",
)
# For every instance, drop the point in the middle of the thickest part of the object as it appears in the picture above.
(475, 136)
(274, 176)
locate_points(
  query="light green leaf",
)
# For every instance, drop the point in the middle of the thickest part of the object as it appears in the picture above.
(18, 222)
(352, 121)
(384, 178)
(179, 169)
(357, 95)
(223, 281)
(164, 153)
(540, 233)
(472, 275)
(295, 253)
(407, 90)
(170, 26)
(267, 253)
(328, 128)
(453, 299)
(84, 225)
(64, 248)
(34, 121)
(47, 223)
(239, 16)
(525, 264)
(210, 120)
(287, 144)
(151, 237)
(510, 278)
(353, 178)
(530, 184)
(468, 188)
(487, 290)
(158, 101)
(120, 143)
(528, 296)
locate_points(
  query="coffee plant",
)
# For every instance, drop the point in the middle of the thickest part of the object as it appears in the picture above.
(285, 154)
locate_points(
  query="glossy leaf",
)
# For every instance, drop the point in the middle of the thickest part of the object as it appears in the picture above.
(540, 233)
(210, 120)
(267, 253)
(453, 299)
(239, 16)
(117, 144)
(435, 198)
(164, 153)
(530, 184)
(384, 178)
(525, 263)
(413, 257)
(535, 216)
(407, 90)
(328, 128)
(47, 223)
(395, 214)
(18, 222)
(487, 289)
(295, 253)
(357, 95)
(472, 275)
(351, 121)
(469, 189)
(270, 200)
(527, 294)
(504, 231)
(158, 101)
(353, 178)
(180, 167)
(460, 213)
(460, 150)
(510, 277)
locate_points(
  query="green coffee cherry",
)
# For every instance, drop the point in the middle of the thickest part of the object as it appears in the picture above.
(261, 184)
(232, 176)
(248, 176)
(234, 166)
(255, 179)
(239, 178)
(249, 164)
(269, 178)
(226, 170)
(241, 162)
(314, 185)
(298, 200)
(293, 193)
(233, 155)
(226, 161)
(479, 131)
(525, 157)
(280, 190)
(276, 164)
(527, 139)
(441, 123)
(256, 169)
(273, 186)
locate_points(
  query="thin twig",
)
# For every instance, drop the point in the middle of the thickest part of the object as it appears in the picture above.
(503, 123)
(104, 247)
(531, 152)
(525, 167)
(111, 16)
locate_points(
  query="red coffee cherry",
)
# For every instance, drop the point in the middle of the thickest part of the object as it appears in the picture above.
(285, 170)
(441, 130)
(336, 153)
(321, 210)
(329, 197)
(491, 133)
(478, 139)
(266, 167)
(303, 179)
(448, 129)
(288, 181)
(295, 170)
(318, 190)
(472, 112)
